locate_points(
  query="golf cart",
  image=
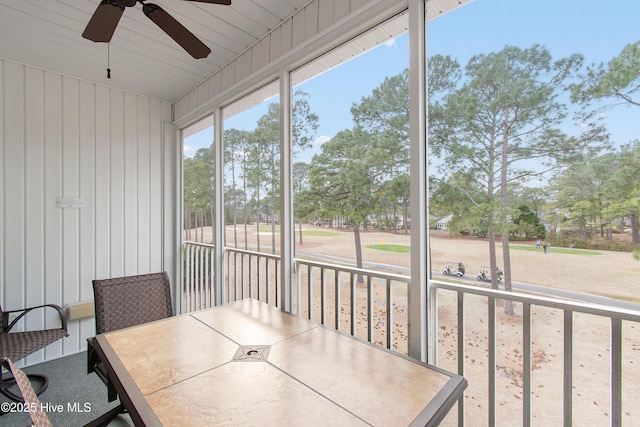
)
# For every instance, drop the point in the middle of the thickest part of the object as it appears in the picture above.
(486, 275)
(454, 268)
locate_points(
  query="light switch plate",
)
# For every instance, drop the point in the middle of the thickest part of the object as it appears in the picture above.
(69, 202)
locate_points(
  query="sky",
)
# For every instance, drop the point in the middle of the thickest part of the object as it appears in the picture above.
(596, 29)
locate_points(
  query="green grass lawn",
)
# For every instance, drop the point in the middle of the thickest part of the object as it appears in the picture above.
(570, 251)
(391, 248)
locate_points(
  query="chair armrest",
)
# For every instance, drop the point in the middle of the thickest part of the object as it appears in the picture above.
(6, 326)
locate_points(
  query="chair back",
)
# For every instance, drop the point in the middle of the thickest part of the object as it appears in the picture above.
(128, 301)
(38, 416)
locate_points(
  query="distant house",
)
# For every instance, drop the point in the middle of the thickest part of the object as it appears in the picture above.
(442, 223)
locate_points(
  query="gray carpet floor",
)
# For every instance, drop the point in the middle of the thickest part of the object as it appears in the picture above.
(73, 397)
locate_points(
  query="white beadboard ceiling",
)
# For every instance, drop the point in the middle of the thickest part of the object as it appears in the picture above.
(143, 59)
(47, 34)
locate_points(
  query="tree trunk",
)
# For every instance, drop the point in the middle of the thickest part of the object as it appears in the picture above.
(635, 236)
(258, 224)
(493, 263)
(212, 213)
(356, 236)
(300, 231)
(244, 198)
(187, 223)
(506, 256)
(235, 204)
(273, 232)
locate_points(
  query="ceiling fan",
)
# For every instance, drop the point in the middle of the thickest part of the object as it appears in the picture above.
(105, 19)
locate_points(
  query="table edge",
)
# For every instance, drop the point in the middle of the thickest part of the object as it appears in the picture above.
(128, 392)
(142, 413)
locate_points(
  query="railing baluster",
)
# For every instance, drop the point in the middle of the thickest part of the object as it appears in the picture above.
(203, 289)
(461, 352)
(250, 276)
(211, 284)
(526, 364)
(369, 309)
(230, 273)
(389, 315)
(323, 296)
(186, 262)
(309, 294)
(267, 281)
(568, 368)
(616, 372)
(298, 287)
(336, 277)
(492, 361)
(276, 273)
(198, 295)
(352, 284)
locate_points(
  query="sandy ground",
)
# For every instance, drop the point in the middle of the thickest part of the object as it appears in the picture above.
(610, 274)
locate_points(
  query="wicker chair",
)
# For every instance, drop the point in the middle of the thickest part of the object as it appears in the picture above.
(18, 345)
(120, 303)
(38, 416)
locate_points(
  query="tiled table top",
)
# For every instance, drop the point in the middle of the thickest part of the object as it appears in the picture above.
(288, 371)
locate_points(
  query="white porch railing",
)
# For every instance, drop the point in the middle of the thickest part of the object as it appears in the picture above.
(567, 339)
(372, 305)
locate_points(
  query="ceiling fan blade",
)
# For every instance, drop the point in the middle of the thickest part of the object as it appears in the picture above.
(104, 21)
(176, 31)
(223, 2)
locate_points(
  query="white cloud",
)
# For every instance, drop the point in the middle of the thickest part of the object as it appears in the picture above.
(390, 42)
(321, 140)
(188, 151)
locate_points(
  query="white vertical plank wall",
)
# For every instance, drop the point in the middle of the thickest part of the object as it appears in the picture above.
(64, 137)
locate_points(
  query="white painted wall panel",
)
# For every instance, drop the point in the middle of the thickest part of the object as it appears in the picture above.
(311, 20)
(159, 113)
(13, 191)
(203, 93)
(356, 4)
(70, 186)
(34, 192)
(265, 51)
(341, 9)
(325, 13)
(246, 64)
(297, 29)
(275, 42)
(286, 36)
(255, 58)
(215, 85)
(60, 136)
(168, 206)
(143, 199)
(102, 201)
(130, 147)
(87, 226)
(116, 183)
(228, 74)
(53, 290)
